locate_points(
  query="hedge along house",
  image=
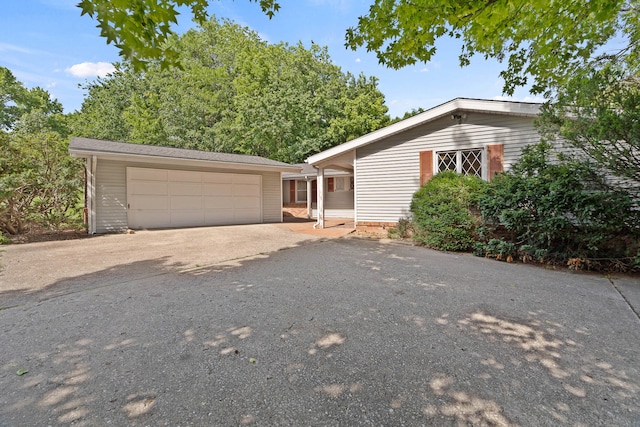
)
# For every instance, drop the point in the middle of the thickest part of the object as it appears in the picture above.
(301, 189)
(142, 186)
(470, 136)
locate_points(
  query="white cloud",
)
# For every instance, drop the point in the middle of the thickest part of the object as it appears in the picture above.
(358, 60)
(91, 69)
(424, 70)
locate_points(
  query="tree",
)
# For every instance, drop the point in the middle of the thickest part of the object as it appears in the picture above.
(547, 40)
(599, 114)
(140, 28)
(16, 100)
(543, 39)
(39, 182)
(235, 93)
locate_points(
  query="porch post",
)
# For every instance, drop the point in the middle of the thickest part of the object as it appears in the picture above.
(90, 193)
(320, 197)
(309, 198)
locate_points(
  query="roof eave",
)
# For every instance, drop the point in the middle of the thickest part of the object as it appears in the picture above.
(143, 158)
(458, 104)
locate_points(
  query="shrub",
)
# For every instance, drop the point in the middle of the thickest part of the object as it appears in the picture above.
(443, 212)
(558, 209)
(4, 240)
(403, 230)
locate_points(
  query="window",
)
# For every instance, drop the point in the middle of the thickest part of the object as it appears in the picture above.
(340, 183)
(467, 162)
(301, 191)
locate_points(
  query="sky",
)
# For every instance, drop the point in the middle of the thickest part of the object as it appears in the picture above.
(47, 43)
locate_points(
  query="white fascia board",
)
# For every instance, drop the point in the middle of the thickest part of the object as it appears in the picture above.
(458, 104)
(181, 162)
(327, 173)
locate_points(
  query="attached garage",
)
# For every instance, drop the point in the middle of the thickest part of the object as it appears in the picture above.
(143, 187)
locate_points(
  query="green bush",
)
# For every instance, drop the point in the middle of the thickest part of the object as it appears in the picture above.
(443, 212)
(4, 240)
(556, 208)
(403, 230)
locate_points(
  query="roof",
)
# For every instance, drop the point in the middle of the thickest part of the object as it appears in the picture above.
(83, 147)
(527, 109)
(310, 171)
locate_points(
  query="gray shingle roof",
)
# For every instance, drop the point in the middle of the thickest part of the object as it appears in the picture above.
(97, 146)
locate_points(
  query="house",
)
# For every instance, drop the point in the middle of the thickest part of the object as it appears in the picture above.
(471, 136)
(297, 186)
(143, 186)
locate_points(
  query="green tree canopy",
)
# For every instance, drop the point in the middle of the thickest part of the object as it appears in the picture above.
(140, 28)
(598, 113)
(235, 93)
(39, 182)
(16, 100)
(545, 39)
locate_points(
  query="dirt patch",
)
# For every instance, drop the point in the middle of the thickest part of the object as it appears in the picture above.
(37, 234)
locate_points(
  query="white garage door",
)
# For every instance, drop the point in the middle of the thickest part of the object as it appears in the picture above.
(159, 198)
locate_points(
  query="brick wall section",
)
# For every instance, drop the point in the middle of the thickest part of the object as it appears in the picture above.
(364, 225)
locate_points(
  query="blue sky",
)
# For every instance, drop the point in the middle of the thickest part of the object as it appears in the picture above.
(47, 43)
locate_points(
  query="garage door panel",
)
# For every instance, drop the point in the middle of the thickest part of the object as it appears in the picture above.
(172, 198)
(152, 219)
(245, 216)
(149, 203)
(214, 202)
(185, 218)
(219, 216)
(185, 176)
(149, 188)
(217, 189)
(185, 188)
(246, 203)
(185, 202)
(217, 178)
(147, 174)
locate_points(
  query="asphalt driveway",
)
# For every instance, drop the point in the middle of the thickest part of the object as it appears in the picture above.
(328, 332)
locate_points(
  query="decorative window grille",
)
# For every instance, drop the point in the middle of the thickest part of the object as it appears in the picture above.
(467, 162)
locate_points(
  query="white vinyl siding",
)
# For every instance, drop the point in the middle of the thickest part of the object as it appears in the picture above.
(388, 172)
(111, 192)
(111, 197)
(271, 196)
(339, 199)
